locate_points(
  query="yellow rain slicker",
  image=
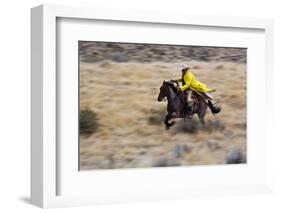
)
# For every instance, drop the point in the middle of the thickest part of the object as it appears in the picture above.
(193, 84)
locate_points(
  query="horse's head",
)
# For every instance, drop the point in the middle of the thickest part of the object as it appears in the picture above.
(164, 89)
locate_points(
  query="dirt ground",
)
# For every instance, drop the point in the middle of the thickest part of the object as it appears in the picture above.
(120, 83)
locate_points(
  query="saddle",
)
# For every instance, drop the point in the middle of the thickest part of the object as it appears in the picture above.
(194, 96)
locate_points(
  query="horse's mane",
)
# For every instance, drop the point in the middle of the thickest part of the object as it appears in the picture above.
(174, 84)
(175, 87)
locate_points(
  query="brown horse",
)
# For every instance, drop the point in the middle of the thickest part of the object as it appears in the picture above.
(177, 106)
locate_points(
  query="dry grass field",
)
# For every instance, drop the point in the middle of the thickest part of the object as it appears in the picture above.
(120, 84)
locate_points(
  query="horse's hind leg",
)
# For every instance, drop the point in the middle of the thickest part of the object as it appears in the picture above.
(202, 125)
(202, 120)
(201, 114)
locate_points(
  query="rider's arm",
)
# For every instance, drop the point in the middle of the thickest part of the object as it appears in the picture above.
(185, 87)
(179, 80)
(187, 79)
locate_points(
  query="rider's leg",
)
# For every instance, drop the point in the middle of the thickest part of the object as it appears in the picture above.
(189, 104)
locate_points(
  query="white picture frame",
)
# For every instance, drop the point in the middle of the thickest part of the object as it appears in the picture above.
(44, 135)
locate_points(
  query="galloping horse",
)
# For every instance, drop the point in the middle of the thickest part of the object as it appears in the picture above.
(177, 106)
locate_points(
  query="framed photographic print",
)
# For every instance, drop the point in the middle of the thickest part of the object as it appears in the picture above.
(130, 106)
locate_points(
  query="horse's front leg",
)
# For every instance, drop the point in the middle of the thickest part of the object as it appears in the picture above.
(169, 120)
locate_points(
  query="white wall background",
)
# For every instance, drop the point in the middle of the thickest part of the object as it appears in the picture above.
(15, 99)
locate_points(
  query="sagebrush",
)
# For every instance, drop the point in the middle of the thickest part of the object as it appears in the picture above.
(88, 122)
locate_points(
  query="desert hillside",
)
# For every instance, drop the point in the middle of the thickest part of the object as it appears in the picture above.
(120, 84)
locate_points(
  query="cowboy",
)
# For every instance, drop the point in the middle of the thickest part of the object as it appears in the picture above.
(190, 84)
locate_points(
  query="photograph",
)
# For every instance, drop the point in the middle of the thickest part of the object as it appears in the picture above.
(161, 105)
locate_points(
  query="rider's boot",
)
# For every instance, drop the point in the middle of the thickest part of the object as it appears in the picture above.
(189, 102)
(213, 106)
(189, 110)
